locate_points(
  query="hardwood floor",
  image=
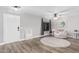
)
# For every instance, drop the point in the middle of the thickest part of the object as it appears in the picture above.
(35, 46)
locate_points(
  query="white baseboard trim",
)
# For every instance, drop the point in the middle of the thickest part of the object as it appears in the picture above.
(3, 43)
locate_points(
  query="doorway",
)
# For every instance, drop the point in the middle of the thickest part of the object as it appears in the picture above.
(11, 28)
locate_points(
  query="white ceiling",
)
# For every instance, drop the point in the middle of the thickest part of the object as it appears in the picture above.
(42, 10)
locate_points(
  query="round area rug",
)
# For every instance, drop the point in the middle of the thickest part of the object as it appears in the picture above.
(55, 42)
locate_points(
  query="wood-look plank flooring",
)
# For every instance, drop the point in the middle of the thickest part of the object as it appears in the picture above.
(35, 46)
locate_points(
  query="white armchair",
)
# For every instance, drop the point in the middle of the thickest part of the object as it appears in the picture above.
(60, 34)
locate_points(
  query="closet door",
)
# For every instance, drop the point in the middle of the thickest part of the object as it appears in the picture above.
(11, 27)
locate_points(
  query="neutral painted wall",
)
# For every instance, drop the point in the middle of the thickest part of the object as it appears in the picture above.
(71, 23)
(1, 27)
(30, 23)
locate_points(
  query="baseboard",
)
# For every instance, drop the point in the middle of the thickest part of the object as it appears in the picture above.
(3, 43)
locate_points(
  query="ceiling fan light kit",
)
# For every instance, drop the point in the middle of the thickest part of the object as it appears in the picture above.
(55, 18)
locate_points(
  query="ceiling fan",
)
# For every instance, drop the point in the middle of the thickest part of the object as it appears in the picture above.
(60, 13)
(56, 15)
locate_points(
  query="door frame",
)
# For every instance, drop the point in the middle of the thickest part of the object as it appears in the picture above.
(4, 42)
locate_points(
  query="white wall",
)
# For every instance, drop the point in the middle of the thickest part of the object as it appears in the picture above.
(72, 23)
(1, 27)
(28, 22)
(34, 23)
(31, 22)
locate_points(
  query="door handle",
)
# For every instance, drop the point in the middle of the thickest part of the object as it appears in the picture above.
(18, 28)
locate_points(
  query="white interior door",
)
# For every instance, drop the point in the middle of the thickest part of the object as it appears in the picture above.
(11, 27)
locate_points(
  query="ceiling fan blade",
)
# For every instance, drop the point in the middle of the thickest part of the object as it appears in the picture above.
(63, 13)
(66, 10)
